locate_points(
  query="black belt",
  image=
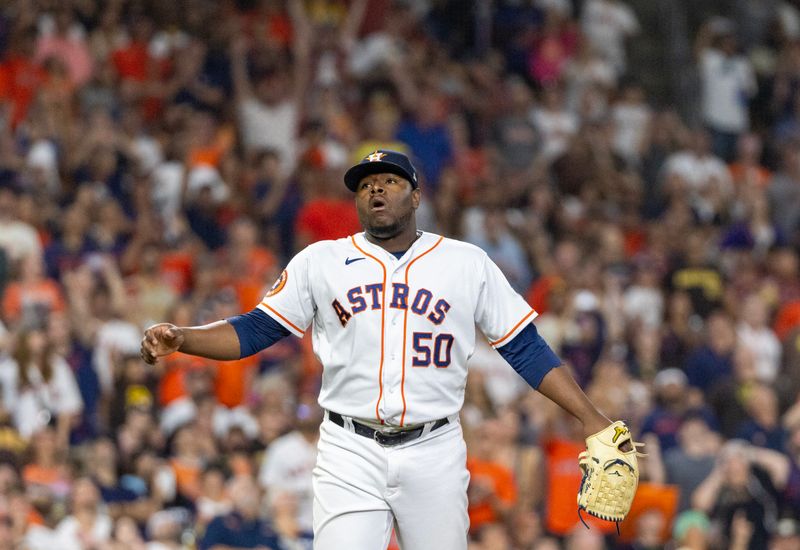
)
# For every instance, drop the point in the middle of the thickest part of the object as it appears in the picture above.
(383, 438)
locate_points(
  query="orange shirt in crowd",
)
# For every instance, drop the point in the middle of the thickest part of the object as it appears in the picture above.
(54, 478)
(35, 518)
(757, 174)
(187, 478)
(787, 319)
(172, 384)
(205, 156)
(33, 473)
(250, 278)
(249, 292)
(176, 268)
(231, 380)
(501, 479)
(45, 292)
(635, 241)
(211, 155)
(651, 497)
(563, 482)
(259, 263)
(324, 219)
(538, 295)
(133, 63)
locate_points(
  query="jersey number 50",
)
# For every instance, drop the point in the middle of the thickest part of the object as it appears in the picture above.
(439, 352)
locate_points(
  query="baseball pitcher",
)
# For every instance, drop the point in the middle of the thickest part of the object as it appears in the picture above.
(392, 313)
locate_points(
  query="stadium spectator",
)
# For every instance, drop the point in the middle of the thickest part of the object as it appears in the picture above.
(738, 499)
(269, 108)
(18, 239)
(243, 527)
(492, 491)
(87, 526)
(607, 24)
(692, 460)
(287, 467)
(728, 83)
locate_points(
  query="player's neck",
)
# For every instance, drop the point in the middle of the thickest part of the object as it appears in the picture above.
(396, 243)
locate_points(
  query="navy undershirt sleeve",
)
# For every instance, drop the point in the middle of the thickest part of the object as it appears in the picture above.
(256, 331)
(530, 355)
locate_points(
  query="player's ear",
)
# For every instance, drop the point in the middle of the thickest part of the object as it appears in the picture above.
(416, 195)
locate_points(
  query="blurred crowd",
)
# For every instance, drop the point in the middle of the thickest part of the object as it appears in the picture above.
(161, 161)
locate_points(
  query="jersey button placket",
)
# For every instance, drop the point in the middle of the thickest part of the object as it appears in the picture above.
(394, 339)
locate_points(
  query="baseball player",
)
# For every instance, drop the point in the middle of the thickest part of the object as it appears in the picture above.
(392, 313)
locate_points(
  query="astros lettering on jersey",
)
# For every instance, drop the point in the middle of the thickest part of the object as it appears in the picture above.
(421, 309)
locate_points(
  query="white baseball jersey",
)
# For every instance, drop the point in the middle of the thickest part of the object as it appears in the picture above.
(394, 335)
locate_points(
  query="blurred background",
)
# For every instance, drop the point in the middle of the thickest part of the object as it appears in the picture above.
(632, 166)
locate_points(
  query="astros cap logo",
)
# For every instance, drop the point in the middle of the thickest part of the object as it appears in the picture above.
(381, 161)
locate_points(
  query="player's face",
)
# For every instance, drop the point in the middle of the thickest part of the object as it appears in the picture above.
(386, 204)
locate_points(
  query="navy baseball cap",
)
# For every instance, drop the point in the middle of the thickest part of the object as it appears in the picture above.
(382, 160)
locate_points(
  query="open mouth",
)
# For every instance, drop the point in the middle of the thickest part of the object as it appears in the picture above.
(377, 205)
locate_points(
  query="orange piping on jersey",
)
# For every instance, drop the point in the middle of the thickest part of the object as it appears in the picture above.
(405, 324)
(383, 316)
(510, 332)
(285, 320)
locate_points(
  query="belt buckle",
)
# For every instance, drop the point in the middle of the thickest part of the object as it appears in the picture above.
(386, 439)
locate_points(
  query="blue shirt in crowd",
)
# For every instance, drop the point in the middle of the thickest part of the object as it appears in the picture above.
(234, 530)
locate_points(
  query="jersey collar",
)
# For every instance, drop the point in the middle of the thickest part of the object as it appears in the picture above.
(425, 241)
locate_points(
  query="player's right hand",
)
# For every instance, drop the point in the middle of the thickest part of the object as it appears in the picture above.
(160, 340)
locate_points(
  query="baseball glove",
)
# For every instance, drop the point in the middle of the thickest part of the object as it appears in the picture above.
(610, 474)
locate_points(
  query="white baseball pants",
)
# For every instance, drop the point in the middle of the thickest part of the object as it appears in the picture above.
(362, 490)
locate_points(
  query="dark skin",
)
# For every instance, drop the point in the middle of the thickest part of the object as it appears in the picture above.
(386, 205)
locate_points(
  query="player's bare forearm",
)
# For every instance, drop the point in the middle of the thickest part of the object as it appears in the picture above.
(217, 340)
(213, 341)
(559, 386)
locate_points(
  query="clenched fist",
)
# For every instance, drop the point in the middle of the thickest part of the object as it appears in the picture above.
(160, 340)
